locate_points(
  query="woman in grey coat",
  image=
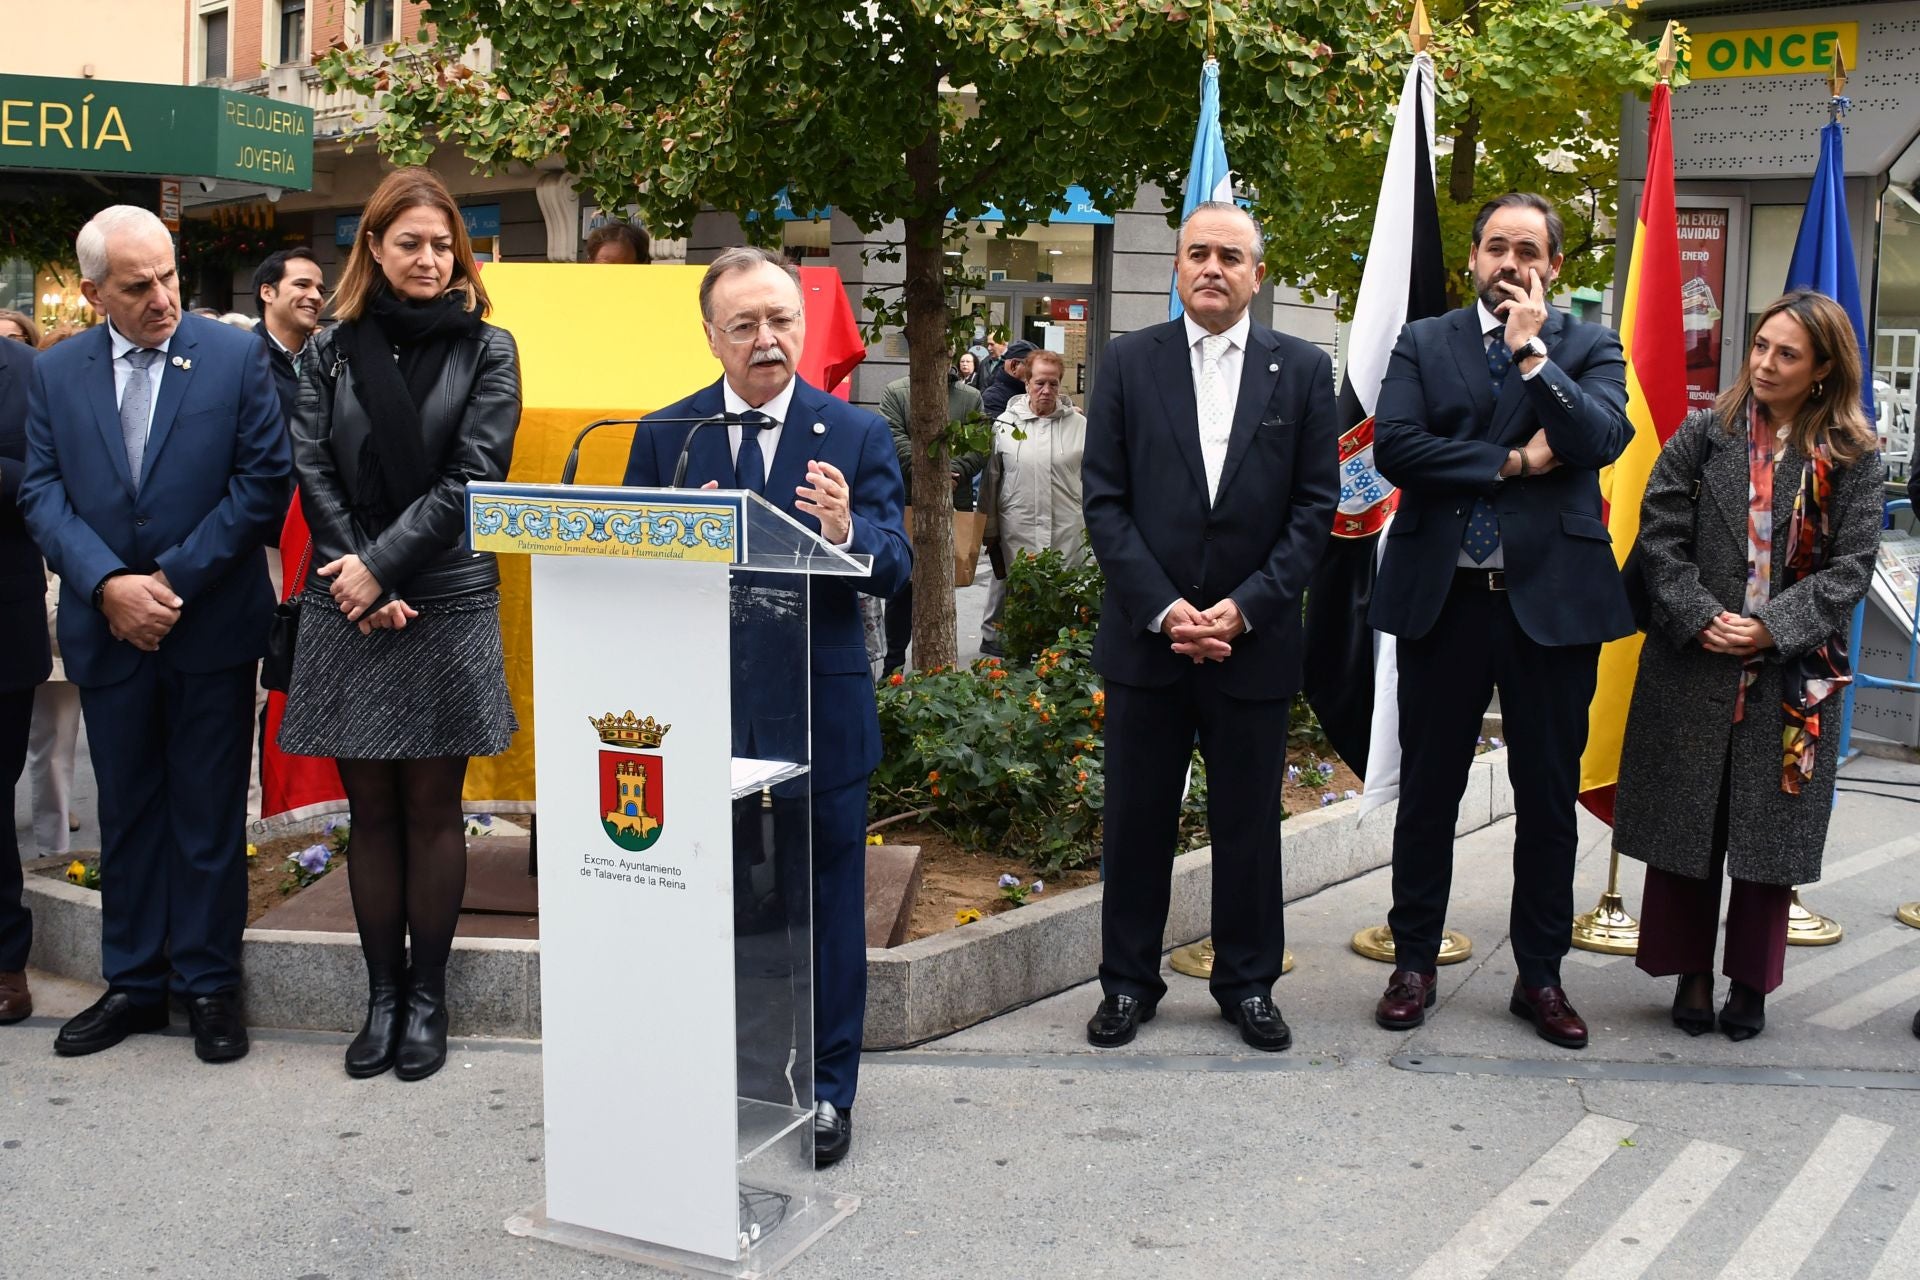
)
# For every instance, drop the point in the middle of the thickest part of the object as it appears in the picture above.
(1757, 537)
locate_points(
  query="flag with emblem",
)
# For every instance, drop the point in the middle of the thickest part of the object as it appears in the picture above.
(1404, 279)
(1655, 342)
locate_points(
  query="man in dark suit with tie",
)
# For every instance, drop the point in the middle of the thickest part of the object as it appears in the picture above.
(830, 466)
(1495, 420)
(1209, 483)
(156, 473)
(25, 660)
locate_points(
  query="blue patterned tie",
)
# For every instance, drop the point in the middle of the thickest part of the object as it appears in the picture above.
(1482, 536)
(750, 465)
(136, 409)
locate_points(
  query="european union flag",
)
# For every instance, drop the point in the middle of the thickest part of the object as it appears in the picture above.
(1823, 251)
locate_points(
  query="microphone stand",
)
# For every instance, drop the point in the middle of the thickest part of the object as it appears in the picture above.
(680, 465)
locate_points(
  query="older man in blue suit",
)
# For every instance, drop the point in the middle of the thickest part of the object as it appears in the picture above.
(832, 467)
(156, 473)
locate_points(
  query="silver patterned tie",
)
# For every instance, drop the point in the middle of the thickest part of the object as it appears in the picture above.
(136, 407)
(1216, 424)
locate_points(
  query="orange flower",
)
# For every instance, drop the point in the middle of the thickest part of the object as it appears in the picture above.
(1083, 775)
(936, 788)
(1099, 697)
(1045, 718)
(996, 674)
(933, 776)
(896, 679)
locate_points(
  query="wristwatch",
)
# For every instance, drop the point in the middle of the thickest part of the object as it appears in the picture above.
(1531, 347)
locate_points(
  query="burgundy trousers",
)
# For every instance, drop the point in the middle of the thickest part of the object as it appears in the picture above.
(1679, 916)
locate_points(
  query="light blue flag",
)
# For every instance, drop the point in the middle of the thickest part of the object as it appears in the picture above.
(1823, 251)
(1208, 176)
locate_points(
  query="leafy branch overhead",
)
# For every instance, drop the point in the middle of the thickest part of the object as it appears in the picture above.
(922, 114)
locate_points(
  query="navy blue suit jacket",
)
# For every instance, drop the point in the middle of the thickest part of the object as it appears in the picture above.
(846, 727)
(1144, 489)
(213, 492)
(25, 656)
(1441, 437)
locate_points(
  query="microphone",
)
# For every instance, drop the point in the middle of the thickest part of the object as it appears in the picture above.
(686, 446)
(680, 469)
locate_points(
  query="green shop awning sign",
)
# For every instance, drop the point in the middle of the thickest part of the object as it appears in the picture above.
(108, 126)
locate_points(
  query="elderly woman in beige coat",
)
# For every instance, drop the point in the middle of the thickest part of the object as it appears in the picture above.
(1030, 490)
(1757, 536)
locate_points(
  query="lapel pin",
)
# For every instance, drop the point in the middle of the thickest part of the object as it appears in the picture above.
(179, 362)
(1273, 368)
(819, 428)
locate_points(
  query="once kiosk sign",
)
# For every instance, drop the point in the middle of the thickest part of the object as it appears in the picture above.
(106, 126)
(1772, 51)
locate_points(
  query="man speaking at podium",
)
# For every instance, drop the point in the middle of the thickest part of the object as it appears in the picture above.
(831, 467)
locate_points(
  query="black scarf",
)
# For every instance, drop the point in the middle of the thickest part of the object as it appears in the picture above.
(397, 351)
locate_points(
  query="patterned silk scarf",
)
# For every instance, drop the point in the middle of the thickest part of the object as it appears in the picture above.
(1807, 681)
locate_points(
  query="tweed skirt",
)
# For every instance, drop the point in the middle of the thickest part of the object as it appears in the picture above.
(436, 688)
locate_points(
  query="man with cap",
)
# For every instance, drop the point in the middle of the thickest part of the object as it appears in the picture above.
(1010, 381)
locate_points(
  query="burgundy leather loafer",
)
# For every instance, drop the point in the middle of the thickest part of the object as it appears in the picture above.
(1551, 1015)
(1409, 996)
(16, 1002)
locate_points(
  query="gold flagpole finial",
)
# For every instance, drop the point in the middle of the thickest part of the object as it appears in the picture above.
(1419, 28)
(1665, 61)
(1837, 74)
(1210, 25)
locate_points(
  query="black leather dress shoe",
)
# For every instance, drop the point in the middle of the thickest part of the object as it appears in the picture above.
(106, 1022)
(832, 1134)
(1115, 1021)
(218, 1033)
(1260, 1024)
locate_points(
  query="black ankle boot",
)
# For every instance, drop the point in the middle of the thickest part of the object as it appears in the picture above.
(372, 1051)
(423, 1047)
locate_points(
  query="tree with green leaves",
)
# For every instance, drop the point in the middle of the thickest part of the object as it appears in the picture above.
(923, 114)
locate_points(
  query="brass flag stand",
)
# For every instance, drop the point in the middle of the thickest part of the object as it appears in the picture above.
(1196, 959)
(1608, 928)
(1909, 915)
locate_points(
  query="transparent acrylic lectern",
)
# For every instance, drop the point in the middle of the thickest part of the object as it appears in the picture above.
(671, 754)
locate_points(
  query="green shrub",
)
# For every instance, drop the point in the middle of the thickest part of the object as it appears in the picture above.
(1046, 597)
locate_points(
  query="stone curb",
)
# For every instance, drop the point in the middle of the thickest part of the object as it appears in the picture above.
(936, 985)
(915, 992)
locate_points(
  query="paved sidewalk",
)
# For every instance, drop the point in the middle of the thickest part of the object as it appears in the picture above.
(1466, 1149)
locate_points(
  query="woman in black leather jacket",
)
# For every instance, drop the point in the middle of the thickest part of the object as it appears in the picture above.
(398, 671)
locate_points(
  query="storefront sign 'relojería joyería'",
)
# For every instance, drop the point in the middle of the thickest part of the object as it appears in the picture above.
(106, 126)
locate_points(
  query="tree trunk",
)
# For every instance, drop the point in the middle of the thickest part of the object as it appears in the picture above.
(934, 642)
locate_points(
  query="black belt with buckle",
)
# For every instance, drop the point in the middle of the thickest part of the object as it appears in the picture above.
(1481, 579)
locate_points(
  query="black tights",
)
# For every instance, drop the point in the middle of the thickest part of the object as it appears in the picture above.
(407, 857)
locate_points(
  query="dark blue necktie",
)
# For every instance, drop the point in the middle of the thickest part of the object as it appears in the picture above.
(1482, 536)
(750, 465)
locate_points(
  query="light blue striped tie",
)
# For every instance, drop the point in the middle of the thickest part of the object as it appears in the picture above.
(136, 408)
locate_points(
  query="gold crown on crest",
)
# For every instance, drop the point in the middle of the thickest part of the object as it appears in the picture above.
(626, 731)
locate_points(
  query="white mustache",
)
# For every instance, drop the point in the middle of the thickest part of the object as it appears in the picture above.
(768, 355)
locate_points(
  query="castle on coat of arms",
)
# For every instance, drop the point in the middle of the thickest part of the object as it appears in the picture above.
(629, 817)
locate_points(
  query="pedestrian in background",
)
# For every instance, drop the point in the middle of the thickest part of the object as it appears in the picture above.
(963, 402)
(1758, 534)
(158, 531)
(399, 673)
(53, 744)
(19, 326)
(1009, 378)
(1030, 489)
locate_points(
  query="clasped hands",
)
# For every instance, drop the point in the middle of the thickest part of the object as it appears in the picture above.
(141, 608)
(1729, 633)
(1204, 635)
(354, 589)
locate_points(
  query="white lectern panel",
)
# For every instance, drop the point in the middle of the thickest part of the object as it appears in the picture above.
(641, 1100)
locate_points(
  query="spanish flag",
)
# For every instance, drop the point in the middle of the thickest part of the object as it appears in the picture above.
(1656, 402)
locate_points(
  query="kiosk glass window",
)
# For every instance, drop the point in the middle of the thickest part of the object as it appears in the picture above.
(807, 239)
(1769, 254)
(1896, 322)
(1038, 286)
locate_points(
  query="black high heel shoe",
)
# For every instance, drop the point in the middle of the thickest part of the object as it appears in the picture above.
(1693, 1016)
(1744, 1016)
